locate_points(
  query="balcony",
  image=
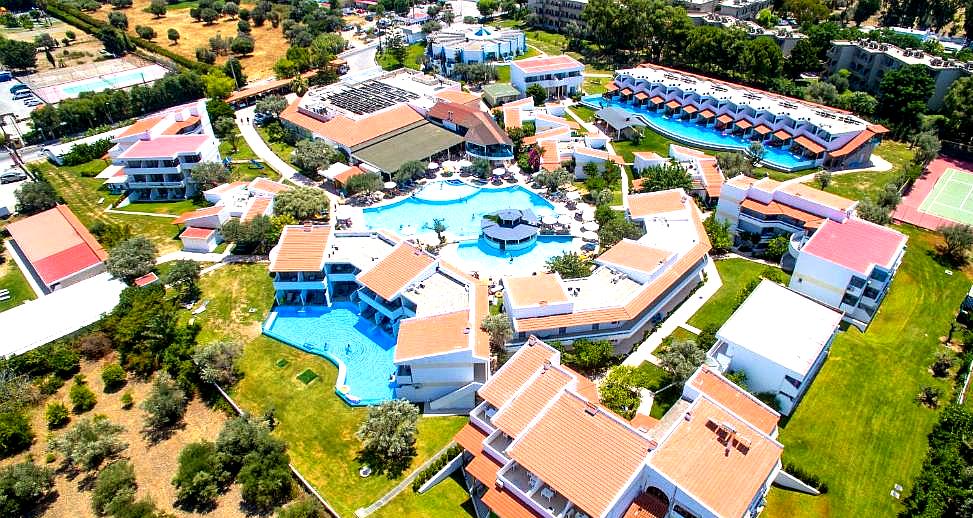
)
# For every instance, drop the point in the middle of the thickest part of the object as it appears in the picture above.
(393, 312)
(132, 184)
(482, 416)
(496, 445)
(534, 491)
(796, 242)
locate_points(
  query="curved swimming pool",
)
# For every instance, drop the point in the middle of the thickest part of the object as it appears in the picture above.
(692, 134)
(458, 204)
(477, 256)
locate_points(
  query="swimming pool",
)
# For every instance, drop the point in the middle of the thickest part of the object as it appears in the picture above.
(112, 81)
(477, 256)
(362, 352)
(458, 204)
(688, 132)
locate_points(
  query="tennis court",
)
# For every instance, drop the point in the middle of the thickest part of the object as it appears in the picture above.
(952, 197)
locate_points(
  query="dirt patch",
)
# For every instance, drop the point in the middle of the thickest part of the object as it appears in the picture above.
(85, 49)
(269, 43)
(155, 464)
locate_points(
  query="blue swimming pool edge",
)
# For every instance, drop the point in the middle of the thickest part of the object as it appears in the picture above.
(349, 399)
(705, 145)
(480, 189)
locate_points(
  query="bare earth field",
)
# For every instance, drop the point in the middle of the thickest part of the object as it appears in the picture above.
(155, 464)
(269, 46)
(84, 49)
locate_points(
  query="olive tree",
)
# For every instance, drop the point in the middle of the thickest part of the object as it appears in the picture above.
(132, 258)
(22, 486)
(388, 436)
(302, 203)
(681, 359)
(89, 442)
(311, 156)
(165, 404)
(216, 362)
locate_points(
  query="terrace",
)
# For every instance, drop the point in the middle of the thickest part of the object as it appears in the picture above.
(528, 486)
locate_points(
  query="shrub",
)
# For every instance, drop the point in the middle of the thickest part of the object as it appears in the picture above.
(56, 415)
(940, 367)
(217, 362)
(15, 433)
(165, 404)
(929, 396)
(82, 398)
(22, 487)
(199, 476)
(806, 477)
(304, 508)
(49, 384)
(114, 487)
(89, 442)
(434, 468)
(94, 345)
(83, 152)
(113, 375)
(127, 400)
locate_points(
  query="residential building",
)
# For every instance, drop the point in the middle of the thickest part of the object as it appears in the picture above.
(847, 265)
(742, 9)
(760, 210)
(484, 138)
(152, 159)
(558, 14)
(634, 285)
(819, 135)
(55, 249)
(541, 444)
(702, 168)
(779, 339)
(462, 43)
(431, 309)
(560, 75)
(241, 200)
(784, 34)
(379, 123)
(869, 61)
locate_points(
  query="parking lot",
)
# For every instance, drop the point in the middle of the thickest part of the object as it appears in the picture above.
(17, 107)
(7, 199)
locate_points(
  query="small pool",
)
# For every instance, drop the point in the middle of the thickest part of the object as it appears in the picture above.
(112, 81)
(690, 133)
(457, 203)
(477, 256)
(362, 352)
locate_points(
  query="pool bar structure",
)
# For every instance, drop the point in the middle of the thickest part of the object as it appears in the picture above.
(712, 114)
(510, 229)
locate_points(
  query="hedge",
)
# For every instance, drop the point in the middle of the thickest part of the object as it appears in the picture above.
(434, 468)
(808, 478)
(73, 16)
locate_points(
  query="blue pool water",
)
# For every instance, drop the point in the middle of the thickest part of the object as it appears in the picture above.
(461, 206)
(480, 257)
(688, 132)
(97, 84)
(339, 334)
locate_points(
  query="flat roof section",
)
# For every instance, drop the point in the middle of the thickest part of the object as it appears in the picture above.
(547, 64)
(535, 290)
(418, 143)
(856, 244)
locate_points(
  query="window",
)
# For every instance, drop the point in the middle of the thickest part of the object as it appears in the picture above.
(785, 396)
(794, 383)
(683, 512)
(404, 370)
(871, 292)
(880, 275)
(857, 282)
(595, 327)
(851, 300)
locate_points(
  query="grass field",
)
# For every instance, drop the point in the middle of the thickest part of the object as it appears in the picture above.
(163, 207)
(269, 46)
(736, 274)
(503, 73)
(950, 197)
(413, 53)
(857, 186)
(859, 428)
(12, 279)
(281, 149)
(82, 195)
(448, 499)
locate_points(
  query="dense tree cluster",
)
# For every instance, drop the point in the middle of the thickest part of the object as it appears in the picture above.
(945, 484)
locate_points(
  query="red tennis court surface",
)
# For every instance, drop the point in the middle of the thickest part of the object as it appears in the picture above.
(908, 210)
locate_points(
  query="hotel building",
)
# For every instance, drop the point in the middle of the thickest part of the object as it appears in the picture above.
(819, 135)
(557, 14)
(560, 75)
(460, 43)
(635, 283)
(541, 444)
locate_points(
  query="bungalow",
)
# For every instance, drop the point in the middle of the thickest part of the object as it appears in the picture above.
(779, 339)
(483, 137)
(541, 444)
(560, 76)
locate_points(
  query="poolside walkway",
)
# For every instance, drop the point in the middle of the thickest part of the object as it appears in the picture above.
(677, 319)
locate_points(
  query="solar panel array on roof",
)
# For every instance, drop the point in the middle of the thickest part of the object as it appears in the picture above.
(366, 97)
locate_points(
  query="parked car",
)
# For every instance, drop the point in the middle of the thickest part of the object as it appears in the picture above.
(12, 176)
(33, 102)
(18, 87)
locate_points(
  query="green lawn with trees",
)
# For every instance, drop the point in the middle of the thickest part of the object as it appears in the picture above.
(736, 274)
(859, 428)
(857, 186)
(13, 279)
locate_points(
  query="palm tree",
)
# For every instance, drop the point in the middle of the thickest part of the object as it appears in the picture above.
(498, 326)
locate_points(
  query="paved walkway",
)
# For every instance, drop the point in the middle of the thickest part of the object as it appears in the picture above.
(193, 256)
(677, 319)
(406, 482)
(153, 214)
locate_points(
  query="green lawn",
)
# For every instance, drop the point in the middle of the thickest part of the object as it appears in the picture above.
(82, 195)
(166, 207)
(318, 426)
(412, 55)
(651, 141)
(859, 428)
(448, 499)
(583, 112)
(531, 53)
(736, 274)
(243, 151)
(11, 278)
(503, 73)
(281, 149)
(857, 186)
(595, 85)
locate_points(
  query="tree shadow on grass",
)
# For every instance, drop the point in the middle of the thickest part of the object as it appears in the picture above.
(383, 464)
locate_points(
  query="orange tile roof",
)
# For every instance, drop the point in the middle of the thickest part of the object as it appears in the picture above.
(725, 119)
(471, 438)
(140, 126)
(56, 243)
(818, 196)
(505, 505)
(643, 298)
(597, 153)
(511, 117)
(393, 273)
(268, 185)
(673, 104)
(738, 401)
(852, 144)
(782, 134)
(712, 177)
(552, 133)
(535, 290)
(632, 255)
(626, 91)
(656, 99)
(514, 417)
(550, 156)
(585, 387)
(690, 109)
(484, 469)
(146, 279)
(433, 335)
(707, 113)
(775, 208)
(611, 86)
(301, 248)
(197, 233)
(178, 126)
(719, 459)
(646, 505)
(347, 174)
(809, 144)
(348, 132)
(459, 97)
(518, 369)
(645, 422)
(762, 129)
(646, 204)
(743, 124)
(568, 448)
(198, 213)
(257, 208)
(641, 96)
